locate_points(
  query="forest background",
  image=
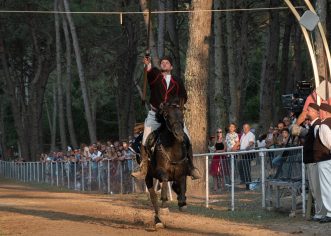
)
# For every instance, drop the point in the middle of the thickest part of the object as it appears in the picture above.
(68, 79)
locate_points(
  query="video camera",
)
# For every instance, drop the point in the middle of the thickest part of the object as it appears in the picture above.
(295, 101)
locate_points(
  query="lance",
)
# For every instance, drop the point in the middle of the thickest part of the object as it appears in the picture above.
(147, 51)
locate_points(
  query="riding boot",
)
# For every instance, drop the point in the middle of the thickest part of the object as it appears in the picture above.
(193, 171)
(140, 175)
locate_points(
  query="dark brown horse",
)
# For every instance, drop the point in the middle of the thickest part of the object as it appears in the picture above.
(169, 159)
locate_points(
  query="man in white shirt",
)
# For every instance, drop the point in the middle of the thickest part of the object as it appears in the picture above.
(322, 155)
(247, 142)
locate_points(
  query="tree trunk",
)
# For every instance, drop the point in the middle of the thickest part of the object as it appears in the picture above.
(218, 114)
(52, 119)
(269, 72)
(71, 128)
(196, 78)
(173, 37)
(125, 100)
(63, 137)
(87, 105)
(321, 9)
(284, 71)
(297, 61)
(27, 112)
(242, 58)
(2, 131)
(234, 103)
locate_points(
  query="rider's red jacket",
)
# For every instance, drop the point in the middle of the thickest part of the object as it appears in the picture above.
(159, 91)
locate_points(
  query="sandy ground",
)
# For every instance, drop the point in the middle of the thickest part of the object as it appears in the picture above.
(28, 210)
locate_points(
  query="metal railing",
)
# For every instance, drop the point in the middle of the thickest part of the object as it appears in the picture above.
(104, 176)
(234, 171)
(251, 169)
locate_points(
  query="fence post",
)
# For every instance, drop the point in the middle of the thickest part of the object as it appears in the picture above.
(99, 182)
(82, 178)
(207, 183)
(108, 177)
(57, 173)
(62, 173)
(51, 172)
(232, 182)
(30, 171)
(26, 167)
(121, 175)
(68, 177)
(90, 174)
(38, 163)
(75, 174)
(132, 179)
(34, 171)
(263, 179)
(42, 172)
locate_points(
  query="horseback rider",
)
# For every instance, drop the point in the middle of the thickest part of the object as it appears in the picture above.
(163, 87)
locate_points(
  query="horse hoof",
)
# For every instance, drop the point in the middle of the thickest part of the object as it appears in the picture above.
(159, 225)
(164, 211)
(183, 208)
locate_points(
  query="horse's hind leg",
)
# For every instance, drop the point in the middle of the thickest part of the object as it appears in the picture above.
(153, 196)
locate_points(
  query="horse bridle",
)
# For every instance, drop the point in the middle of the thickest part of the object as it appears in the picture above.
(165, 120)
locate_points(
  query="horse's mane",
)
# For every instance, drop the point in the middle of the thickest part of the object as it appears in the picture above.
(175, 101)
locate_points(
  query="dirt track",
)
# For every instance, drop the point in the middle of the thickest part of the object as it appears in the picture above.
(26, 210)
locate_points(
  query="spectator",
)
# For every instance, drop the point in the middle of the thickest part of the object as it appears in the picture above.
(309, 160)
(211, 144)
(232, 138)
(247, 142)
(322, 155)
(218, 169)
(287, 122)
(278, 138)
(286, 141)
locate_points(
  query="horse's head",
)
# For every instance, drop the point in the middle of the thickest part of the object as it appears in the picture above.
(171, 116)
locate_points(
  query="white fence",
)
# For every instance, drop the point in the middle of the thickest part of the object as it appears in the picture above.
(254, 168)
(234, 171)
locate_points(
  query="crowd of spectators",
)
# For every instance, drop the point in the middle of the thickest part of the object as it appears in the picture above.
(234, 139)
(118, 150)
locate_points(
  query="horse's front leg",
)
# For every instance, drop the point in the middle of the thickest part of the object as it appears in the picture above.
(164, 194)
(182, 191)
(153, 196)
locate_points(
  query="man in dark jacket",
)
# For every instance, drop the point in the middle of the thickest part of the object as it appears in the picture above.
(308, 159)
(322, 155)
(163, 87)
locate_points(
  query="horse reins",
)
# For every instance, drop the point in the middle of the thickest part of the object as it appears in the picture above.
(168, 158)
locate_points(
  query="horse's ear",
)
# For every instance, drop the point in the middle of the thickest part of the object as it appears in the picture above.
(161, 106)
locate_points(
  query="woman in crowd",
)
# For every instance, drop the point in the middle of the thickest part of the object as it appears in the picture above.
(219, 168)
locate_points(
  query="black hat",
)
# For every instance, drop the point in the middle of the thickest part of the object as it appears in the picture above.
(314, 106)
(325, 107)
(168, 58)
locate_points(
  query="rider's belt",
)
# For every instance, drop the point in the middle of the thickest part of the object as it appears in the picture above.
(153, 109)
